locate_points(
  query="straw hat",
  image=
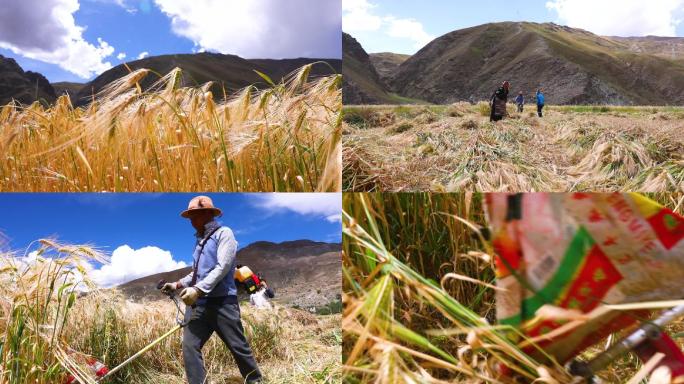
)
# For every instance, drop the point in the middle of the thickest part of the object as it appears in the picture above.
(201, 203)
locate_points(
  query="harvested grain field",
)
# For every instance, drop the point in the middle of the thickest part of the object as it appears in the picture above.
(455, 147)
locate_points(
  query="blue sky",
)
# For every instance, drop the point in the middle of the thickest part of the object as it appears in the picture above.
(405, 26)
(75, 40)
(111, 221)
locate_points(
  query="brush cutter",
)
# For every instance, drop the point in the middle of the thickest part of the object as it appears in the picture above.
(101, 370)
(646, 341)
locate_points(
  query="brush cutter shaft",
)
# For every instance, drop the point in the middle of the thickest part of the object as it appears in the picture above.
(180, 325)
(147, 348)
(648, 331)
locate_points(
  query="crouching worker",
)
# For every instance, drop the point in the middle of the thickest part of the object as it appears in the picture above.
(255, 285)
(520, 101)
(497, 102)
(210, 294)
(260, 298)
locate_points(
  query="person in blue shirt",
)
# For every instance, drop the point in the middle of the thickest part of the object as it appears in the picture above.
(520, 101)
(210, 294)
(540, 102)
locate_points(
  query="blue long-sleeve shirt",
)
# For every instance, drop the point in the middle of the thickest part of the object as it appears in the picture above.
(520, 99)
(540, 98)
(226, 250)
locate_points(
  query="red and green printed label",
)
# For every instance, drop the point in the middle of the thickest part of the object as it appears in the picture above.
(581, 281)
(668, 226)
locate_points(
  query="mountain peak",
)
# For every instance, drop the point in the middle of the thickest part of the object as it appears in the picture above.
(226, 72)
(574, 66)
(24, 87)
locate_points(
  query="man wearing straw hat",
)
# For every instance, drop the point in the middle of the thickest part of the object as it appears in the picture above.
(210, 294)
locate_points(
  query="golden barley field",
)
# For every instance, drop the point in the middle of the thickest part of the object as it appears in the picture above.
(455, 147)
(171, 138)
(53, 318)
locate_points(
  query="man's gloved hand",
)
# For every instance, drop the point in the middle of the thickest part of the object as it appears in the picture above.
(190, 295)
(169, 288)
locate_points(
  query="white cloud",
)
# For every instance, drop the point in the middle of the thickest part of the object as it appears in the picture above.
(326, 205)
(129, 264)
(121, 3)
(53, 36)
(143, 55)
(357, 16)
(33, 259)
(121, 56)
(620, 17)
(360, 16)
(408, 29)
(335, 218)
(259, 28)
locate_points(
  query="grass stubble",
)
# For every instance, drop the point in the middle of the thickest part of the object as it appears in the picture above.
(419, 296)
(53, 317)
(286, 137)
(455, 147)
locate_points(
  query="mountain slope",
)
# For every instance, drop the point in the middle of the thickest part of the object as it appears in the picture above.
(69, 88)
(361, 83)
(386, 64)
(303, 272)
(228, 72)
(573, 66)
(23, 86)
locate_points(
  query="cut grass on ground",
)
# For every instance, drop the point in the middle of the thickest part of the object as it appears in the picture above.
(455, 147)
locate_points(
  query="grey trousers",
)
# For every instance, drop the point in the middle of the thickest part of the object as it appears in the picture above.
(224, 319)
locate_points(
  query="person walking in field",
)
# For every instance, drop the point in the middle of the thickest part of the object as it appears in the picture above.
(498, 102)
(520, 101)
(210, 294)
(540, 102)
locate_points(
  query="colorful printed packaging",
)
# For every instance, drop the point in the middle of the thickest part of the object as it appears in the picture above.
(577, 251)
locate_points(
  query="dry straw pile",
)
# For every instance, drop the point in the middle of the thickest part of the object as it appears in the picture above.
(173, 138)
(453, 148)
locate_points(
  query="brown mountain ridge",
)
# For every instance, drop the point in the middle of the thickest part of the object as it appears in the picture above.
(573, 66)
(227, 72)
(22, 86)
(303, 273)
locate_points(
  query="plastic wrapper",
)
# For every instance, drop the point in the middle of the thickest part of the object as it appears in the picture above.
(579, 251)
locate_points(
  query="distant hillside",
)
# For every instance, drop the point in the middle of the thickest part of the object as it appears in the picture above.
(228, 72)
(303, 272)
(573, 66)
(386, 64)
(63, 87)
(22, 86)
(361, 83)
(666, 47)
